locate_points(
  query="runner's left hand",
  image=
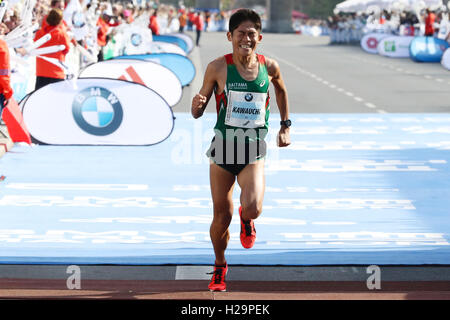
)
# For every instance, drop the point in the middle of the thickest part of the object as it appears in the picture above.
(283, 138)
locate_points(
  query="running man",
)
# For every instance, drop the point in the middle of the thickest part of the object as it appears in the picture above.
(240, 82)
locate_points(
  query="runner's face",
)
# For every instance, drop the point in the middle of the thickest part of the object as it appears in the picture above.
(245, 38)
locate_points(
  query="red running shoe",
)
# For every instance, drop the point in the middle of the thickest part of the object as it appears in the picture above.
(248, 232)
(218, 279)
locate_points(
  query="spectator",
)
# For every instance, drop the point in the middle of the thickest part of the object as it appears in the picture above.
(199, 25)
(47, 72)
(207, 20)
(104, 23)
(429, 23)
(6, 91)
(191, 19)
(154, 25)
(183, 20)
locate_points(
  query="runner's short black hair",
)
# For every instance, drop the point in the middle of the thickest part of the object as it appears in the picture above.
(243, 15)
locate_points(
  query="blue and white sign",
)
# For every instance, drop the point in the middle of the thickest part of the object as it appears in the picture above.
(427, 49)
(181, 65)
(186, 38)
(151, 74)
(97, 112)
(172, 39)
(160, 47)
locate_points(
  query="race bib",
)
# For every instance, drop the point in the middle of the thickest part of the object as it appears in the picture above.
(246, 109)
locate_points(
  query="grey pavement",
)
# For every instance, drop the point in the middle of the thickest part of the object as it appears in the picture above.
(236, 273)
(323, 78)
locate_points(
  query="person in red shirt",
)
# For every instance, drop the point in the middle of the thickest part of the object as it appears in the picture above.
(199, 25)
(190, 21)
(47, 72)
(429, 23)
(55, 4)
(103, 24)
(154, 25)
(6, 91)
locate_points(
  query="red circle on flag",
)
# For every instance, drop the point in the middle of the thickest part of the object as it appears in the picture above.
(372, 43)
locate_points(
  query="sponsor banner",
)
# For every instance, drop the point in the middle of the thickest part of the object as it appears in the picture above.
(369, 42)
(446, 59)
(172, 39)
(427, 49)
(182, 66)
(136, 40)
(150, 74)
(97, 112)
(161, 47)
(187, 38)
(395, 47)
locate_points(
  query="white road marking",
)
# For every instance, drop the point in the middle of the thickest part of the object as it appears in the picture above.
(193, 272)
(77, 186)
(319, 79)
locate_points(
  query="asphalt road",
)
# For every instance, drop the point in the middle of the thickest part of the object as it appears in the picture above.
(323, 78)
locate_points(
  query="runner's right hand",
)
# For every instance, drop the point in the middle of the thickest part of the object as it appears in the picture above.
(198, 105)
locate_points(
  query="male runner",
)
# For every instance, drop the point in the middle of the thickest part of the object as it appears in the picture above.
(240, 82)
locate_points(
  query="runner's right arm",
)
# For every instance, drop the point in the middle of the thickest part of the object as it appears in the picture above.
(201, 99)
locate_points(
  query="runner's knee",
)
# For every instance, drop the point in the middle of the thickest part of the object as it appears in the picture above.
(223, 213)
(252, 210)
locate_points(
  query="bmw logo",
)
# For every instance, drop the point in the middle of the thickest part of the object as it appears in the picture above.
(97, 111)
(78, 19)
(248, 97)
(136, 39)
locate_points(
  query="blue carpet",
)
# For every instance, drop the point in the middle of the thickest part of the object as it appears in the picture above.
(351, 189)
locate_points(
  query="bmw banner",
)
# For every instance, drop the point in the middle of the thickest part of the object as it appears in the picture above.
(136, 40)
(97, 111)
(151, 74)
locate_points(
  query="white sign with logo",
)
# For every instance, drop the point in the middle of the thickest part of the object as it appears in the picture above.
(97, 112)
(369, 42)
(136, 40)
(395, 47)
(150, 74)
